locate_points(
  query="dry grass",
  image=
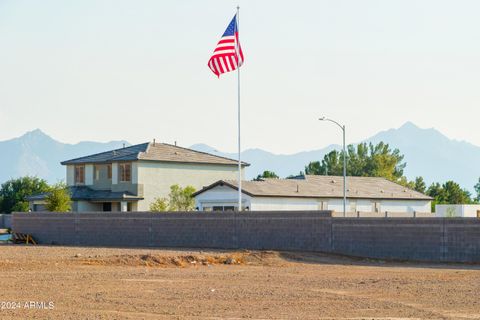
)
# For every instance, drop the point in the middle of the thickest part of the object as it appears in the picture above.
(184, 261)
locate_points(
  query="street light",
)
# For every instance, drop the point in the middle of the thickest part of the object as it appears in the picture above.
(344, 164)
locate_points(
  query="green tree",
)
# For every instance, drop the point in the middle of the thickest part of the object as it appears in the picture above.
(404, 182)
(159, 205)
(179, 199)
(420, 185)
(454, 194)
(448, 193)
(14, 192)
(477, 190)
(366, 160)
(58, 198)
(437, 193)
(266, 175)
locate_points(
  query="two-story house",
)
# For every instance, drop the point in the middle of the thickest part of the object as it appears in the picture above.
(130, 178)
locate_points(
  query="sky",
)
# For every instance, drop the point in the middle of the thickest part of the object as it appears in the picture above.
(137, 70)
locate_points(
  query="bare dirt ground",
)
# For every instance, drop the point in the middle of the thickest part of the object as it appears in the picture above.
(100, 283)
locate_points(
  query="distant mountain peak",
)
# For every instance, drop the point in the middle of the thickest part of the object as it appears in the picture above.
(408, 126)
(36, 135)
(413, 128)
(36, 132)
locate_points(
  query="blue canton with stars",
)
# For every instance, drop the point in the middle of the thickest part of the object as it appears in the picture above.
(232, 27)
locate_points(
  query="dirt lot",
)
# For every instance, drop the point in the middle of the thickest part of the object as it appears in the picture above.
(98, 283)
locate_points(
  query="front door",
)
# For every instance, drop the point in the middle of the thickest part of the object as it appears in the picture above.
(107, 206)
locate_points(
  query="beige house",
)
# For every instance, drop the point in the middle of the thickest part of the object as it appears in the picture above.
(129, 179)
(366, 196)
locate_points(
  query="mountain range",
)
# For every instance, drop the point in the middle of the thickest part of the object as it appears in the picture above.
(428, 153)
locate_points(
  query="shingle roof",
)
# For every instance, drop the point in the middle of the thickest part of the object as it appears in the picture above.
(122, 154)
(324, 187)
(170, 153)
(154, 152)
(86, 193)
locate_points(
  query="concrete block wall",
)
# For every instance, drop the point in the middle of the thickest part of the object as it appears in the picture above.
(5, 221)
(461, 240)
(422, 239)
(393, 238)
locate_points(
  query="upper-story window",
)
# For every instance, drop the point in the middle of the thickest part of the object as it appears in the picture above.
(79, 174)
(125, 172)
(109, 171)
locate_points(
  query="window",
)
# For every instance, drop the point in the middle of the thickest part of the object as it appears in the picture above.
(125, 172)
(109, 171)
(80, 174)
(223, 208)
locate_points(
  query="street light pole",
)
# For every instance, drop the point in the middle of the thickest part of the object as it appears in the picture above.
(344, 164)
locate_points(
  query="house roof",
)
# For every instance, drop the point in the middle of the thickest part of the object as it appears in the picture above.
(86, 193)
(154, 152)
(323, 187)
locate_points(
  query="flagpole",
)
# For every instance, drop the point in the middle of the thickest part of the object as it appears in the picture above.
(239, 145)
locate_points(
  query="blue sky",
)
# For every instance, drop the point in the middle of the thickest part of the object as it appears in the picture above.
(137, 70)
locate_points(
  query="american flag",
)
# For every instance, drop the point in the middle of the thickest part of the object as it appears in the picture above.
(228, 55)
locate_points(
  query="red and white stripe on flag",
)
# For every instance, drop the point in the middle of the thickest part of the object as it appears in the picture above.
(228, 55)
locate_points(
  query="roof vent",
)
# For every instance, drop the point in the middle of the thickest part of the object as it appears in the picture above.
(333, 181)
(175, 143)
(154, 142)
(176, 152)
(297, 188)
(124, 145)
(114, 152)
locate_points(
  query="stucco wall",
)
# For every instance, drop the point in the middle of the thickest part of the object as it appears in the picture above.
(85, 206)
(267, 204)
(70, 171)
(457, 210)
(157, 177)
(103, 182)
(89, 174)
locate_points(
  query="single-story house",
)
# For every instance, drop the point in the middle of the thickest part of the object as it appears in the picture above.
(364, 194)
(130, 178)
